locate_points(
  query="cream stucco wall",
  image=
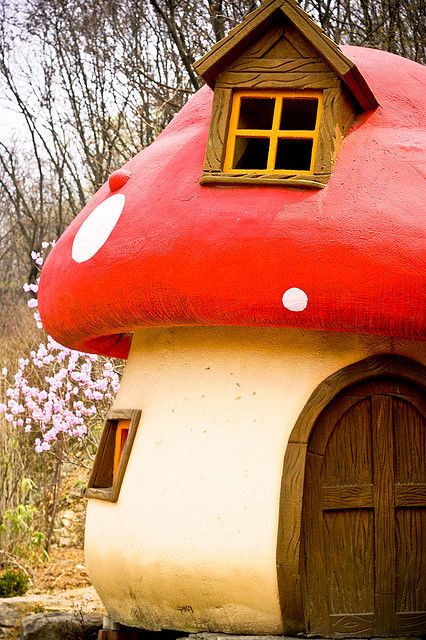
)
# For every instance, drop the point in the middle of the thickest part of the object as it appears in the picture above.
(191, 542)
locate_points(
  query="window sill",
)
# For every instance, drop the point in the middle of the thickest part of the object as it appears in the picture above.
(314, 181)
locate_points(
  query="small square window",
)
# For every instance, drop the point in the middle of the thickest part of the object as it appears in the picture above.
(113, 454)
(256, 113)
(251, 153)
(295, 155)
(274, 133)
(299, 114)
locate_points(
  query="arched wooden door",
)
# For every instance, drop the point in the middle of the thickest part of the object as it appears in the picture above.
(364, 514)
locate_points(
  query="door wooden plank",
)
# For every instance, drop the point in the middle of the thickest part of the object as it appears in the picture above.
(348, 459)
(411, 561)
(410, 495)
(314, 575)
(367, 505)
(339, 567)
(327, 425)
(384, 514)
(410, 440)
(357, 624)
(349, 538)
(349, 497)
(411, 622)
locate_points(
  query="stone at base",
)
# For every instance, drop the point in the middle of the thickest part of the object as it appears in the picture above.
(57, 626)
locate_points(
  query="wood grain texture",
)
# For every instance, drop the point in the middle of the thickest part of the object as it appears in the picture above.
(279, 65)
(360, 89)
(409, 421)
(356, 625)
(346, 112)
(282, 41)
(339, 62)
(298, 41)
(296, 180)
(349, 550)
(277, 80)
(384, 514)
(282, 58)
(410, 495)
(410, 623)
(215, 151)
(373, 557)
(344, 536)
(265, 44)
(407, 378)
(411, 561)
(227, 50)
(410, 462)
(326, 149)
(350, 497)
(208, 65)
(289, 537)
(314, 573)
(367, 369)
(102, 485)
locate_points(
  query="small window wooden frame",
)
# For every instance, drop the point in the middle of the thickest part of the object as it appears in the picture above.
(275, 133)
(336, 113)
(110, 464)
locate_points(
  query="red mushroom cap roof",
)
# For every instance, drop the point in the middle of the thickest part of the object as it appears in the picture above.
(164, 250)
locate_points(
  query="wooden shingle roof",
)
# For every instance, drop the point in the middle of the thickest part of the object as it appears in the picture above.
(255, 24)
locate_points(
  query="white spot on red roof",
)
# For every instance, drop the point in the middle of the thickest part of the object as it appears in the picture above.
(97, 227)
(295, 299)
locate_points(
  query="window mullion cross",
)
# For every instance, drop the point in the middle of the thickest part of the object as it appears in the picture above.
(274, 133)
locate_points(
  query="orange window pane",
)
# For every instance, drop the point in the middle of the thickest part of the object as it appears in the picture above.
(121, 434)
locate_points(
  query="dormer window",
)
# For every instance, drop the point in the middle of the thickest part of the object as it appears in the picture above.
(273, 132)
(285, 97)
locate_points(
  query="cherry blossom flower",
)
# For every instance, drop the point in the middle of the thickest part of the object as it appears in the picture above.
(57, 391)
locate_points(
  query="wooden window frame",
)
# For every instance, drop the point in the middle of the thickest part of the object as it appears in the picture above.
(336, 115)
(108, 461)
(274, 133)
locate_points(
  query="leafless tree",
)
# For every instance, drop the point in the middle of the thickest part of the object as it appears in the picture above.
(95, 82)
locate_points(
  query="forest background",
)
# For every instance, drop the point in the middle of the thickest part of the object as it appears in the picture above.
(87, 85)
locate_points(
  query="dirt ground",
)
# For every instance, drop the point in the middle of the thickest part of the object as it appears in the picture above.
(63, 571)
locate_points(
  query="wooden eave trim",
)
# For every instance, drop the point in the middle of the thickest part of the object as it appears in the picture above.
(327, 49)
(317, 38)
(331, 53)
(359, 88)
(218, 58)
(206, 66)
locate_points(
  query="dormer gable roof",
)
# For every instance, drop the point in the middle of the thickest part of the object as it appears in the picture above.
(255, 24)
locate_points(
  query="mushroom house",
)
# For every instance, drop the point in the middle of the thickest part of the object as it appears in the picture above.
(261, 266)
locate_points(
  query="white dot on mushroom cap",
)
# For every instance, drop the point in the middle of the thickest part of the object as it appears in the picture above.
(295, 299)
(96, 229)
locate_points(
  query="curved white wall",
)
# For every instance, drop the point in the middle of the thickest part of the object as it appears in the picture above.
(191, 542)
